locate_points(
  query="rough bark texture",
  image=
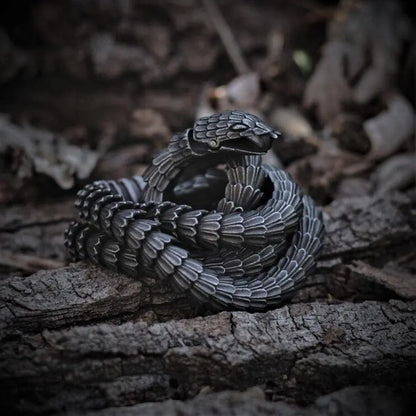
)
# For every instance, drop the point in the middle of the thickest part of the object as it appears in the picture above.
(367, 226)
(351, 401)
(301, 351)
(35, 229)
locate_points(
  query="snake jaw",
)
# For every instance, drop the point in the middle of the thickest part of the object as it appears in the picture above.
(254, 145)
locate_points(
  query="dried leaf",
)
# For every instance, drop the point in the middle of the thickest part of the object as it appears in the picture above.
(347, 129)
(242, 92)
(396, 173)
(389, 129)
(299, 139)
(112, 59)
(327, 88)
(198, 52)
(364, 41)
(291, 122)
(42, 152)
(149, 125)
(320, 173)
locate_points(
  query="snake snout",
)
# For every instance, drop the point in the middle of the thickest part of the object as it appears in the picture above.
(274, 134)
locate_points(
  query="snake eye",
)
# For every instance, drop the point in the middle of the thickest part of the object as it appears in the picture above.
(214, 144)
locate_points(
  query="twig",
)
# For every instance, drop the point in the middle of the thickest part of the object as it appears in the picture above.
(227, 37)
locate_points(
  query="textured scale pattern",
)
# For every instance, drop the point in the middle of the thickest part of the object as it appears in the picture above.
(230, 125)
(250, 249)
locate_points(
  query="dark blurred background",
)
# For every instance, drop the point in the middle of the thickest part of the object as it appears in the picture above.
(117, 77)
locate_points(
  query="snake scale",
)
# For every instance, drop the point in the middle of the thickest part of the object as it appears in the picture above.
(206, 216)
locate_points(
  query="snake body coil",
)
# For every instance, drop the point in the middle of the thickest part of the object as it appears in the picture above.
(250, 249)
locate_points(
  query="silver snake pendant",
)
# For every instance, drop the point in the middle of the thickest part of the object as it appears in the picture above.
(250, 248)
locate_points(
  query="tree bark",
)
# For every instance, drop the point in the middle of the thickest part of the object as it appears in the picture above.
(351, 401)
(301, 351)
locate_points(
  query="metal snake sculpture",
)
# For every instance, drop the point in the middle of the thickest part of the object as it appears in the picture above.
(251, 247)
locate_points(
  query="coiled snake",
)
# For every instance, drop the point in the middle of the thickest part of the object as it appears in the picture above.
(251, 247)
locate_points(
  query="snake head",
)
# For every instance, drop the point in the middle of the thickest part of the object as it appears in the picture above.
(235, 131)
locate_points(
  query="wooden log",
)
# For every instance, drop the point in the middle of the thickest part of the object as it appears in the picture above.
(301, 351)
(350, 401)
